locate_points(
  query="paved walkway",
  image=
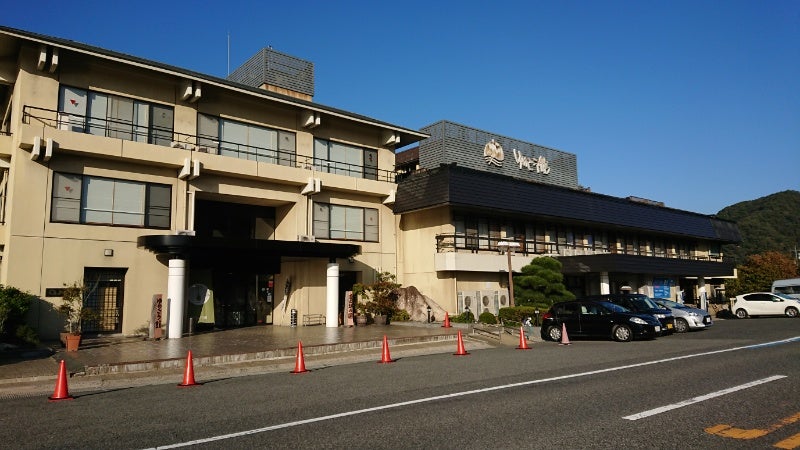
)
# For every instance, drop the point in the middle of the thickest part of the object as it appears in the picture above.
(111, 355)
(118, 362)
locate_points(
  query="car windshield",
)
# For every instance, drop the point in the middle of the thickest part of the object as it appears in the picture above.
(670, 304)
(614, 307)
(644, 303)
(783, 296)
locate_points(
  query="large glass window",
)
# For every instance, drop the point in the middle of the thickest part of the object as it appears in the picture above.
(85, 111)
(108, 201)
(345, 222)
(245, 141)
(343, 159)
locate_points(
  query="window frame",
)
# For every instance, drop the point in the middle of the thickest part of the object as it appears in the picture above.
(105, 123)
(323, 220)
(152, 202)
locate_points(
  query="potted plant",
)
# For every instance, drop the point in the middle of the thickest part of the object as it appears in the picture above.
(75, 313)
(381, 297)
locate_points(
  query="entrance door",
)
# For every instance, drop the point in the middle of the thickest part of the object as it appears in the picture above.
(242, 299)
(266, 299)
(105, 295)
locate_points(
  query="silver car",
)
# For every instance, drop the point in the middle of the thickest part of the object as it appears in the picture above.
(686, 317)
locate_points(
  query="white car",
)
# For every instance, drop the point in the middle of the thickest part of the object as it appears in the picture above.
(686, 317)
(765, 304)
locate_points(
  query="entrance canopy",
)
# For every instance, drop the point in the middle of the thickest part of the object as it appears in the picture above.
(253, 253)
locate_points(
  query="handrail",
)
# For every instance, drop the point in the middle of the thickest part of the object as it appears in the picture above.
(165, 137)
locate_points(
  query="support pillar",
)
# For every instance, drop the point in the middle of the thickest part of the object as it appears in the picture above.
(332, 291)
(701, 292)
(605, 285)
(176, 293)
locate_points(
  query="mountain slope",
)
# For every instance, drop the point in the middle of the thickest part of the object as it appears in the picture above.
(767, 223)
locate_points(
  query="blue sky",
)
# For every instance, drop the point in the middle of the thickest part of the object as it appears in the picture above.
(693, 103)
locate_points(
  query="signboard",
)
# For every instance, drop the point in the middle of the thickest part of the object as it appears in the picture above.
(156, 318)
(348, 309)
(661, 287)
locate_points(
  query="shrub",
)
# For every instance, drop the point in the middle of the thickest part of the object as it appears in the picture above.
(401, 315)
(465, 317)
(27, 335)
(515, 315)
(487, 317)
(14, 304)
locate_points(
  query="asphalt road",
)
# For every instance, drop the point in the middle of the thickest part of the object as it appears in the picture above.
(732, 386)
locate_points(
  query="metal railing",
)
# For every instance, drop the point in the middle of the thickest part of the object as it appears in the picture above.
(461, 242)
(166, 137)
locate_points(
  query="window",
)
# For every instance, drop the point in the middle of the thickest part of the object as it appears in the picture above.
(114, 116)
(96, 200)
(343, 159)
(345, 222)
(245, 141)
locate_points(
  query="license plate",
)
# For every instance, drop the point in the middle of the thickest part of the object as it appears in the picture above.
(658, 329)
(669, 326)
(706, 319)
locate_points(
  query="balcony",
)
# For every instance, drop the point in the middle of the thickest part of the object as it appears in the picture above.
(458, 251)
(197, 146)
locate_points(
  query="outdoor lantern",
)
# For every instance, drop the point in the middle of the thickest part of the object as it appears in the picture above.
(429, 313)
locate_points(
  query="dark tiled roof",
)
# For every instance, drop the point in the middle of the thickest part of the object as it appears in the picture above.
(450, 185)
(406, 156)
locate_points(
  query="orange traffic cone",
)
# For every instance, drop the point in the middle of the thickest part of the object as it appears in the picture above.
(523, 343)
(446, 323)
(188, 374)
(564, 337)
(460, 349)
(61, 391)
(385, 357)
(300, 361)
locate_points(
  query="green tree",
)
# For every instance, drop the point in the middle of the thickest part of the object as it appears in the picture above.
(381, 296)
(541, 284)
(759, 271)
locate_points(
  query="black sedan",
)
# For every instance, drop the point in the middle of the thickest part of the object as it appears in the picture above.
(598, 319)
(641, 304)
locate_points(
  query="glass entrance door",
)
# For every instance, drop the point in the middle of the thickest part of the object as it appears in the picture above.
(266, 299)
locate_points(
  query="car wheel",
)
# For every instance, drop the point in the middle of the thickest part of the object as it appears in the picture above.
(681, 326)
(553, 333)
(622, 333)
(740, 313)
(791, 312)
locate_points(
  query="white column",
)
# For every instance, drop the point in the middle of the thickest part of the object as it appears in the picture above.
(332, 290)
(176, 293)
(605, 285)
(701, 292)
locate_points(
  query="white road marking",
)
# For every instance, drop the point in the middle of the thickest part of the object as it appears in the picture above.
(701, 398)
(461, 394)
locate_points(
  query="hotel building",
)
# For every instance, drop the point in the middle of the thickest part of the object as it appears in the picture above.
(191, 201)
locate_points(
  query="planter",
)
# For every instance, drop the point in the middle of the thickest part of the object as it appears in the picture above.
(381, 319)
(63, 337)
(361, 320)
(73, 341)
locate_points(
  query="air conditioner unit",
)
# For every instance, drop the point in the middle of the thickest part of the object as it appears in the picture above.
(306, 238)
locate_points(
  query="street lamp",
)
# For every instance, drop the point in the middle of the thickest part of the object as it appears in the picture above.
(509, 247)
(429, 313)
